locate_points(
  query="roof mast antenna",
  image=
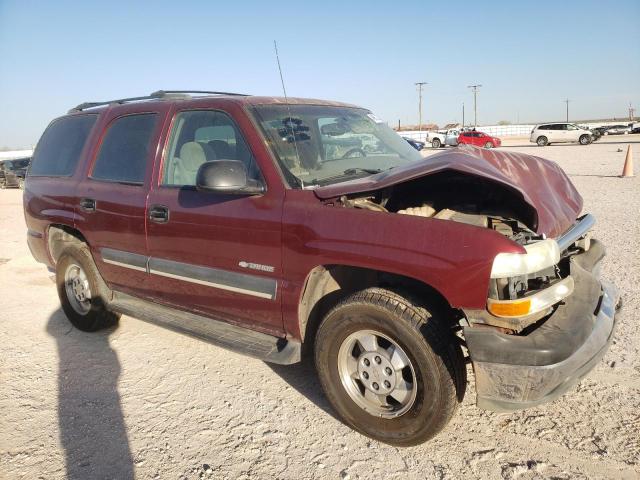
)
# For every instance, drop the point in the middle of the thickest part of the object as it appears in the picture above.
(289, 121)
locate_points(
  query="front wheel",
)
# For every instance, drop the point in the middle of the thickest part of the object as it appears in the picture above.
(21, 183)
(542, 141)
(390, 368)
(488, 145)
(436, 143)
(585, 140)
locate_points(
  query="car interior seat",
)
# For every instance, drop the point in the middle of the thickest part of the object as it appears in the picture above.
(183, 169)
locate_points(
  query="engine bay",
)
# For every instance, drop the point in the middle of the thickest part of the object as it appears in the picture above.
(457, 197)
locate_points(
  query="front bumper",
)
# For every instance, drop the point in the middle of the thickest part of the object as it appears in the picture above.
(521, 371)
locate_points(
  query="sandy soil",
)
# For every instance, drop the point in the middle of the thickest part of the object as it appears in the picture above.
(140, 400)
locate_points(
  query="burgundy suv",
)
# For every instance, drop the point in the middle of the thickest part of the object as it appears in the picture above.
(274, 226)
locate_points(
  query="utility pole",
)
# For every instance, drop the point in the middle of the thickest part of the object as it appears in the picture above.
(419, 85)
(462, 114)
(632, 112)
(475, 105)
(567, 102)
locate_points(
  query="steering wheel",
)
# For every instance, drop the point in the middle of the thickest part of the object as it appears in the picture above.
(350, 153)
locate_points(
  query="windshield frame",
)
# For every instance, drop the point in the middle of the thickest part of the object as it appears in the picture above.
(351, 172)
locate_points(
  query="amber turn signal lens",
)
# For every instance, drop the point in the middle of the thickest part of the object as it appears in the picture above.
(510, 309)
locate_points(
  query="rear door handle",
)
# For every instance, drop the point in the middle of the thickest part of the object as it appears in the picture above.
(159, 213)
(88, 204)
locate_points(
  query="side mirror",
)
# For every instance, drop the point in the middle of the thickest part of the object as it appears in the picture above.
(226, 177)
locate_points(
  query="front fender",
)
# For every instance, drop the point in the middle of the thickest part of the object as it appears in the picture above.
(453, 258)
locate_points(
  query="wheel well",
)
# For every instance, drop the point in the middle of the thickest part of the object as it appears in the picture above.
(59, 237)
(326, 285)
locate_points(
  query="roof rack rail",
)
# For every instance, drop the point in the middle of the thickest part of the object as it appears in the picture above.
(153, 96)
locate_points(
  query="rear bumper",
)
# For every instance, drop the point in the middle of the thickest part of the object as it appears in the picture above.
(515, 372)
(37, 247)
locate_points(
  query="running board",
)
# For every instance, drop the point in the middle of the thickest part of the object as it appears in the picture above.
(241, 340)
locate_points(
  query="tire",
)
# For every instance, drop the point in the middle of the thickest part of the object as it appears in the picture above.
(3, 183)
(436, 143)
(21, 183)
(542, 141)
(429, 385)
(488, 145)
(585, 140)
(89, 315)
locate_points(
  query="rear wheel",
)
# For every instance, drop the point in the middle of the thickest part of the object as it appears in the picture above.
(78, 289)
(488, 145)
(542, 141)
(3, 183)
(436, 143)
(391, 369)
(21, 183)
(585, 140)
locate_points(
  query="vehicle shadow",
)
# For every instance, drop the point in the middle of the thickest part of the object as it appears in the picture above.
(303, 378)
(91, 423)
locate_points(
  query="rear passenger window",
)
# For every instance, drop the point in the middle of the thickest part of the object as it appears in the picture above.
(201, 136)
(125, 149)
(59, 148)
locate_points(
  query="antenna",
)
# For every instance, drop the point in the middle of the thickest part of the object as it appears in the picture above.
(298, 170)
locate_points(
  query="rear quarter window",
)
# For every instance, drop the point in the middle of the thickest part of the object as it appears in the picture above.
(60, 146)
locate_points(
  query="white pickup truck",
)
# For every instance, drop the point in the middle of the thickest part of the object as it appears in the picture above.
(443, 137)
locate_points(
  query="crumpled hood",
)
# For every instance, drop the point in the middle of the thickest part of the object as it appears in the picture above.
(541, 183)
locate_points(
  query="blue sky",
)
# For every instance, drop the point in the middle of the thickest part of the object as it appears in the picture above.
(529, 56)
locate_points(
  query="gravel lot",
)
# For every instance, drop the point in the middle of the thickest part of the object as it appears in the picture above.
(140, 400)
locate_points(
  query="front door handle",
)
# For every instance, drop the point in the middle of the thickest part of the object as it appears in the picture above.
(88, 204)
(159, 213)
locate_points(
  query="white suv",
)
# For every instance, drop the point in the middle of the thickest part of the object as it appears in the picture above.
(548, 133)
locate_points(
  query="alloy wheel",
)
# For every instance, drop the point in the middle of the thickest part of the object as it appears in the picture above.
(377, 374)
(77, 289)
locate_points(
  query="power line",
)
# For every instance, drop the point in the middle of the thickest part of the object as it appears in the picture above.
(475, 108)
(420, 85)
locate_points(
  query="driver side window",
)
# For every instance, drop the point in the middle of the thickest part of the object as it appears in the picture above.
(201, 136)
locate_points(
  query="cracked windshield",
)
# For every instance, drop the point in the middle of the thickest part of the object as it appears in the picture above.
(319, 145)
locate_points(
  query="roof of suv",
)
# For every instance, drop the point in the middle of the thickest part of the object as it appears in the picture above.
(181, 96)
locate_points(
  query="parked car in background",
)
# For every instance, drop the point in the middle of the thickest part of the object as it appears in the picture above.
(635, 129)
(418, 145)
(479, 139)
(236, 219)
(443, 137)
(595, 134)
(13, 172)
(618, 130)
(548, 133)
(600, 130)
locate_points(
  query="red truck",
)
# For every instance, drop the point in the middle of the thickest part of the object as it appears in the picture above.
(276, 227)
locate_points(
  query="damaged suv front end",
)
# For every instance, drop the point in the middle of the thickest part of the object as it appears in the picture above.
(535, 316)
(549, 320)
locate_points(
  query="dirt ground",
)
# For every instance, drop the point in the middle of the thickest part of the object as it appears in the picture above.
(140, 400)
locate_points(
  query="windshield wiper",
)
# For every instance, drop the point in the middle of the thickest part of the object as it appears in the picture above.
(349, 172)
